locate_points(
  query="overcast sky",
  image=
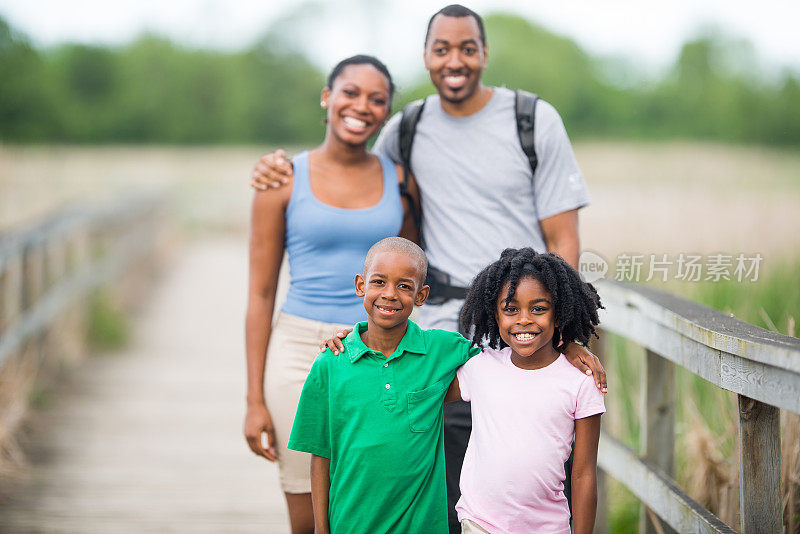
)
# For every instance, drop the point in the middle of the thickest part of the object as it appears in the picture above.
(647, 33)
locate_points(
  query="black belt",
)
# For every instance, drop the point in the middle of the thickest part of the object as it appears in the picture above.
(442, 289)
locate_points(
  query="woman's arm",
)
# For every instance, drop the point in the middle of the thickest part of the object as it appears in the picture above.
(410, 230)
(584, 474)
(320, 490)
(268, 224)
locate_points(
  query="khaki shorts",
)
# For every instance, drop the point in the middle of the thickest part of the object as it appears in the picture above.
(293, 346)
(468, 527)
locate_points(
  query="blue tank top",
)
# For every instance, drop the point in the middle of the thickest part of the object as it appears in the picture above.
(327, 246)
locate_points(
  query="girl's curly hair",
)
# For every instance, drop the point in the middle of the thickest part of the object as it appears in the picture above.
(575, 303)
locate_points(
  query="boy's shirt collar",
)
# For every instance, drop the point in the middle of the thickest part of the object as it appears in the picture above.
(413, 341)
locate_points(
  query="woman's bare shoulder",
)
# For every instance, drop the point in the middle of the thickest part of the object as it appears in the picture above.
(272, 198)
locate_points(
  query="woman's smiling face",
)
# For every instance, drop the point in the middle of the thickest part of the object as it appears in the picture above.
(358, 103)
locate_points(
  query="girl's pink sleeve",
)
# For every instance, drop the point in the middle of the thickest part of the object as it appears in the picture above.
(464, 375)
(589, 400)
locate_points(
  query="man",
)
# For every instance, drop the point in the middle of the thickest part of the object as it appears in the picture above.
(478, 195)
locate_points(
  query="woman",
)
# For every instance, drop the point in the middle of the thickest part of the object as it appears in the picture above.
(342, 200)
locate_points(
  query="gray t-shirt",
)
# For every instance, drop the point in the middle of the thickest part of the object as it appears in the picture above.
(477, 194)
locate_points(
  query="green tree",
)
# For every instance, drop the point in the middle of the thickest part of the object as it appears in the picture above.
(152, 90)
(84, 81)
(25, 108)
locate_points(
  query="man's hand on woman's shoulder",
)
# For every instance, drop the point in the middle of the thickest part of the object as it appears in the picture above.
(272, 170)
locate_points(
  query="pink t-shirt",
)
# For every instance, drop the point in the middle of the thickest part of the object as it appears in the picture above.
(523, 425)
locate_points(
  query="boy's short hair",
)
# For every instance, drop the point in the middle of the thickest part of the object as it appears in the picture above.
(401, 245)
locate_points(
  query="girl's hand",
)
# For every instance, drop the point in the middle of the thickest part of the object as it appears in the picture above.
(588, 363)
(335, 343)
(257, 422)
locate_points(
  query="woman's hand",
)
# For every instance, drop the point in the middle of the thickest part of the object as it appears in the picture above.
(257, 422)
(272, 170)
(335, 343)
(587, 363)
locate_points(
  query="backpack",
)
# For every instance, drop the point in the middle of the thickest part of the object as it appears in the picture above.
(524, 107)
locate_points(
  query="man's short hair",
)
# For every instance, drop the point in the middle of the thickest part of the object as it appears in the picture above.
(401, 245)
(457, 10)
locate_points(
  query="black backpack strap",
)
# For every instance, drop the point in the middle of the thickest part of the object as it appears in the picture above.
(408, 128)
(525, 108)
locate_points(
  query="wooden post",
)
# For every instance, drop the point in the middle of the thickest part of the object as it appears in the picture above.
(79, 250)
(55, 260)
(33, 275)
(33, 286)
(56, 336)
(759, 467)
(10, 292)
(658, 426)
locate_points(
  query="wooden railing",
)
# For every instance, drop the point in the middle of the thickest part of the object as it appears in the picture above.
(48, 267)
(761, 367)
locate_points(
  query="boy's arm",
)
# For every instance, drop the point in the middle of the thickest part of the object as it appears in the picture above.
(466, 351)
(320, 489)
(453, 392)
(584, 474)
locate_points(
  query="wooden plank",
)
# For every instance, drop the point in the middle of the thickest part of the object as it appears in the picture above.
(656, 490)
(776, 386)
(658, 425)
(178, 462)
(704, 325)
(759, 467)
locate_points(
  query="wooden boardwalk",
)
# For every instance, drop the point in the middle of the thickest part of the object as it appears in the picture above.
(150, 439)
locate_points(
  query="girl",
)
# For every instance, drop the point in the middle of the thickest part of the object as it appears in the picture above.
(341, 201)
(528, 401)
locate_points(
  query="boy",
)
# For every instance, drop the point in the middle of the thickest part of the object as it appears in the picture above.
(372, 416)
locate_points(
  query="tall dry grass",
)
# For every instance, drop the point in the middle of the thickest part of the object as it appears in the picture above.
(790, 461)
(713, 479)
(790, 467)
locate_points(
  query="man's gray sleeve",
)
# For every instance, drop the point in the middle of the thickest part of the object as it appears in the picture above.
(388, 142)
(558, 185)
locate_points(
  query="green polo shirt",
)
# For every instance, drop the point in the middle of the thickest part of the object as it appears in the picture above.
(379, 420)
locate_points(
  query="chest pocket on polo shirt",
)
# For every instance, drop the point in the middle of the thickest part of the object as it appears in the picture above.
(425, 406)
